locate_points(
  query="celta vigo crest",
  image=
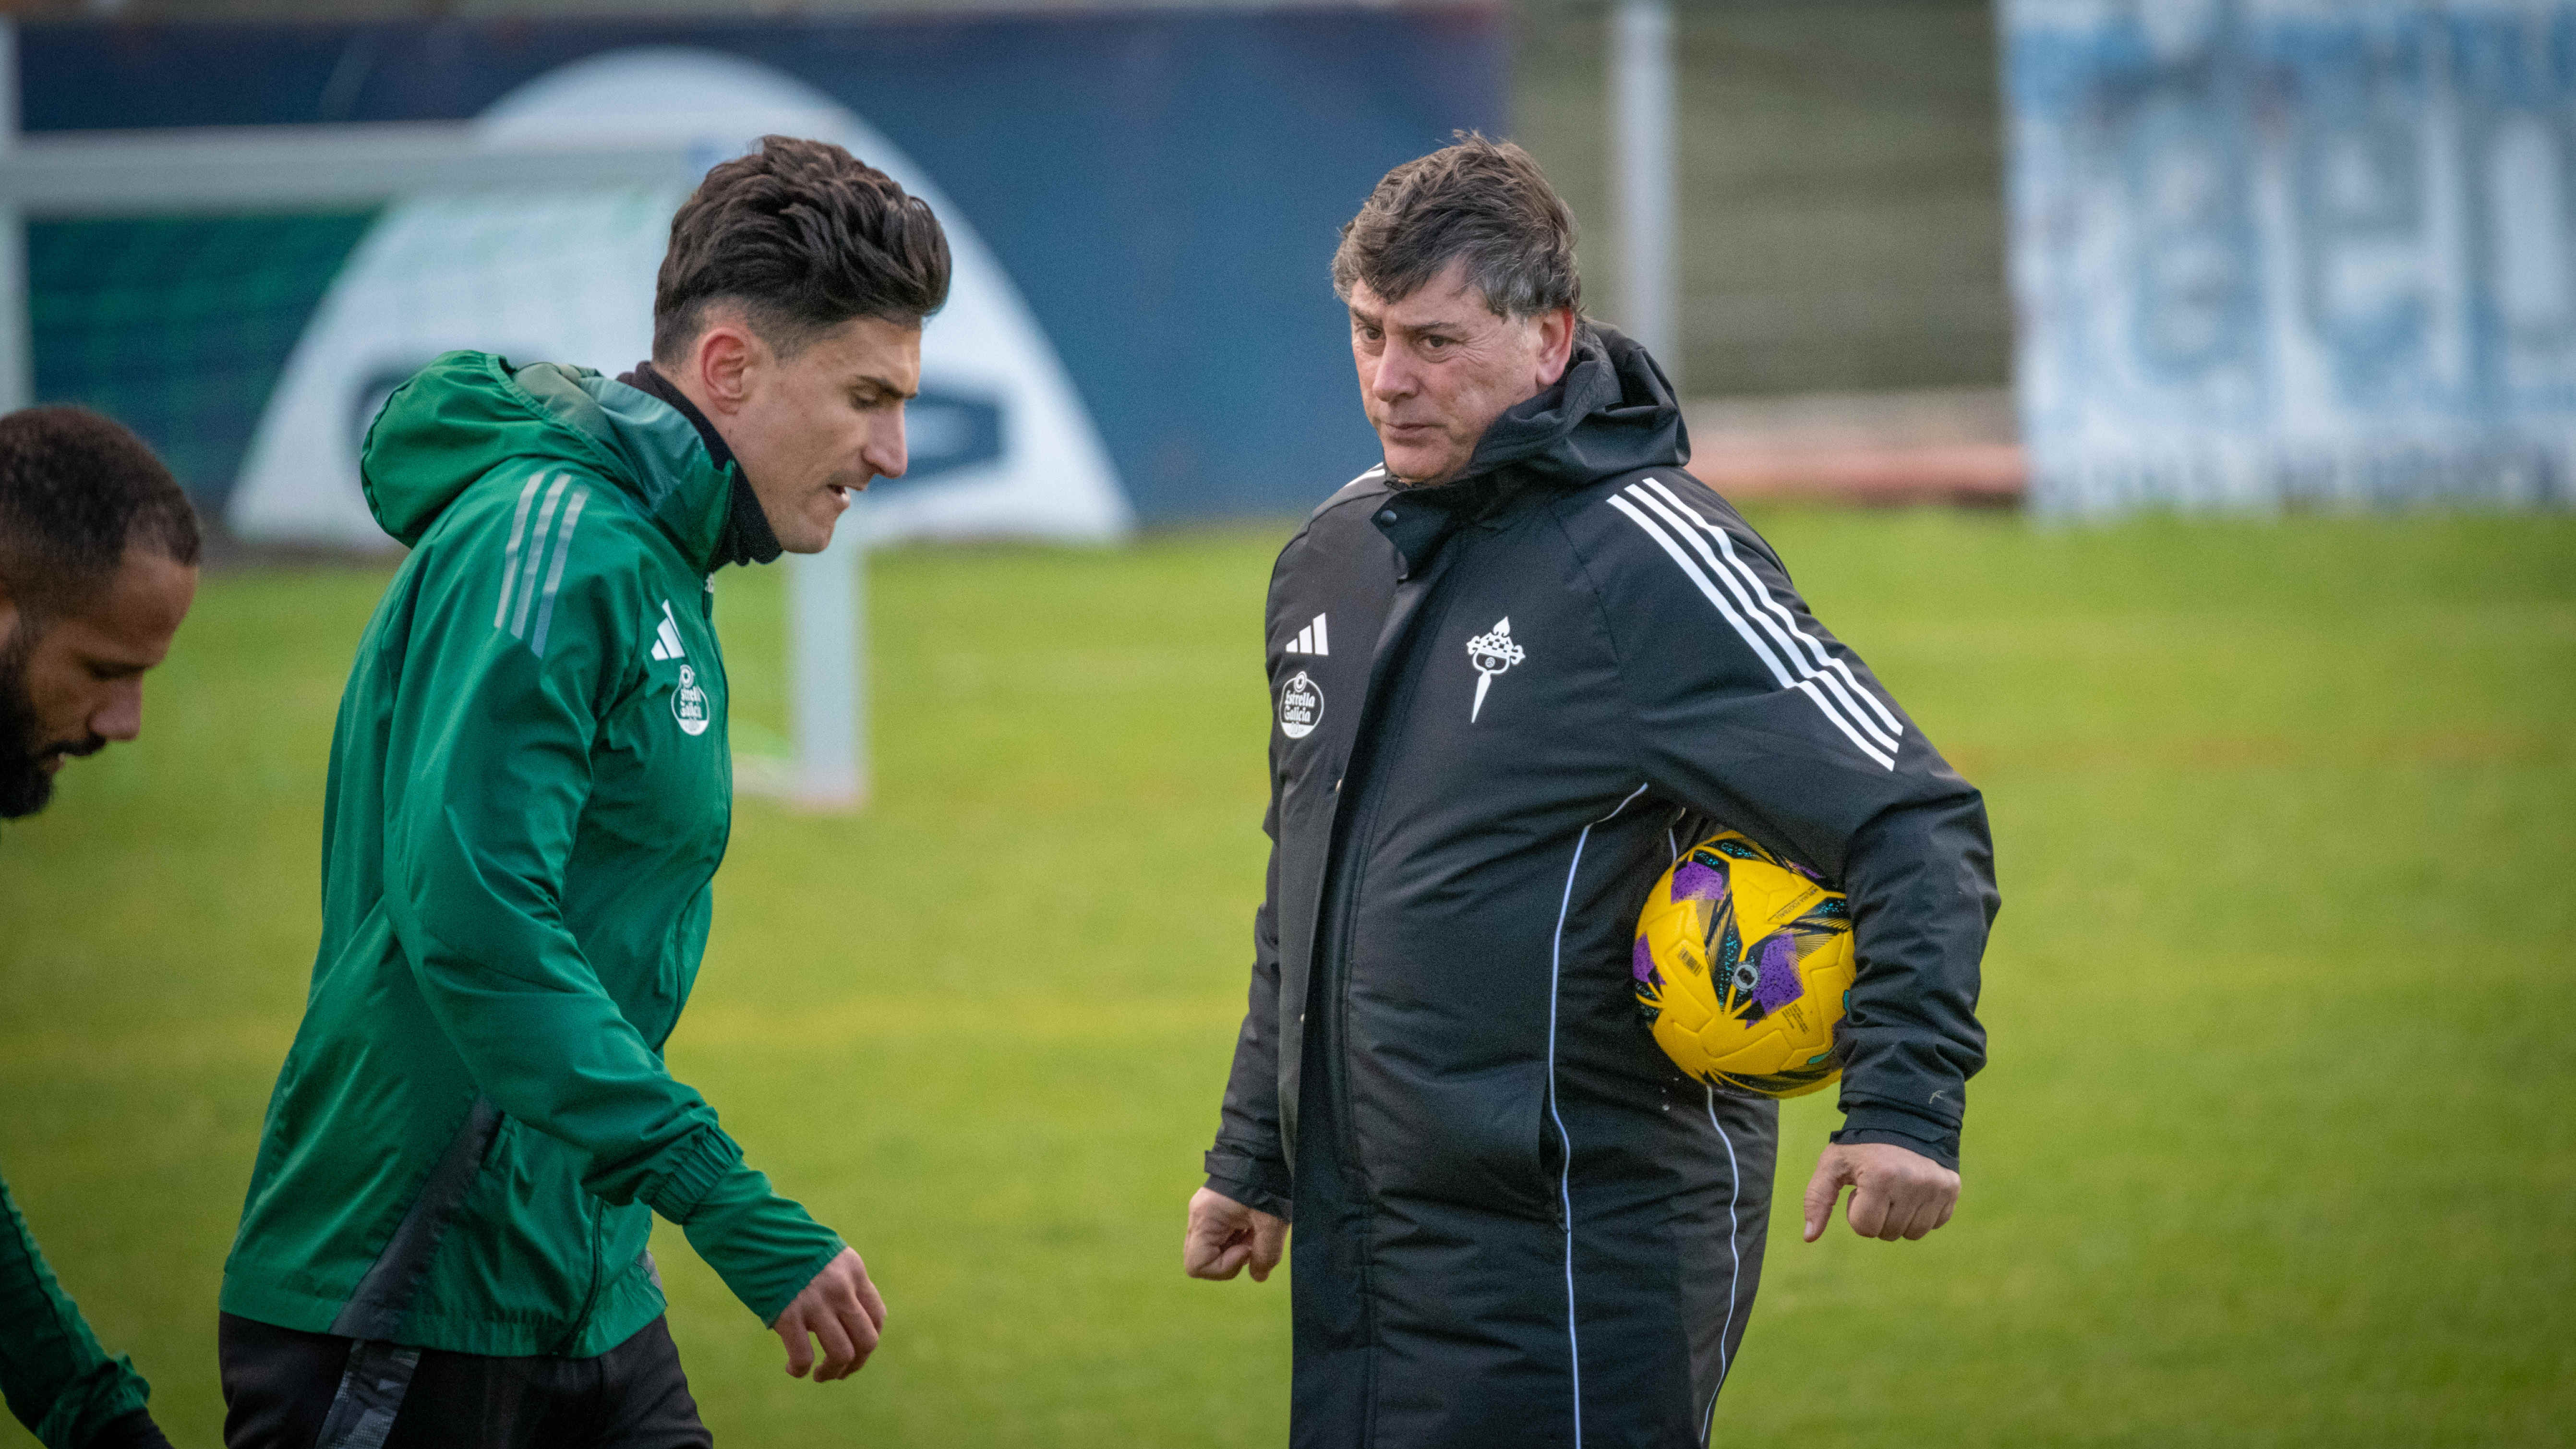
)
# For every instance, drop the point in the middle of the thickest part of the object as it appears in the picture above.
(1491, 652)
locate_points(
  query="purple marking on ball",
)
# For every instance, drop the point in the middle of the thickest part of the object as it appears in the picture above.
(1642, 962)
(1779, 985)
(1693, 881)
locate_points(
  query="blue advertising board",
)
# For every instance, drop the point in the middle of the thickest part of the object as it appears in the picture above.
(2280, 253)
(1156, 197)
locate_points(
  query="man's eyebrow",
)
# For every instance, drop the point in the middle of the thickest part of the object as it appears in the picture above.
(886, 384)
(1450, 325)
(1436, 324)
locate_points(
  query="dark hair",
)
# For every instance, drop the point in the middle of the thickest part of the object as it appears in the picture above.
(1484, 201)
(76, 491)
(804, 236)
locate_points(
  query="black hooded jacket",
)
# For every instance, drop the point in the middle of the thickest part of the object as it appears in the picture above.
(1500, 708)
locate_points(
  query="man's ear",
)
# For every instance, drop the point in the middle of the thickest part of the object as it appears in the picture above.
(724, 356)
(1555, 345)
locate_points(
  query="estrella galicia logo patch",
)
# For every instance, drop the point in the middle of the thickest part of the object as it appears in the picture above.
(1301, 706)
(689, 703)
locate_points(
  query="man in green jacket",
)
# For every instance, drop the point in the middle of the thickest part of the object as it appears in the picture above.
(98, 564)
(530, 789)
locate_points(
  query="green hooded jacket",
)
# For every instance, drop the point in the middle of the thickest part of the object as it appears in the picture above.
(529, 793)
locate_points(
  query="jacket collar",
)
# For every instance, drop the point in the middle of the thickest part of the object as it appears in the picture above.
(648, 448)
(1419, 520)
(1613, 411)
(747, 536)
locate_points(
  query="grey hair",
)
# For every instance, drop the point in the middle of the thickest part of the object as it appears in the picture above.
(1483, 202)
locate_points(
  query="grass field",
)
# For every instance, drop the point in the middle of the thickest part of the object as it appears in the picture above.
(2278, 1146)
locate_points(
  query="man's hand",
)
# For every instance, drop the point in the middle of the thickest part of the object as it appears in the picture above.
(841, 1308)
(1224, 1235)
(1895, 1193)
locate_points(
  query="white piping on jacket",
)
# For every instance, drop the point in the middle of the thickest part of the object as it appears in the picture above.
(1565, 1142)
(1735, 1276)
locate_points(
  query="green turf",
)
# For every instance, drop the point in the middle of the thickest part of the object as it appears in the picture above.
(2276, 1148)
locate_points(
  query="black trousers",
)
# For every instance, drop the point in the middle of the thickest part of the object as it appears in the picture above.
(279, 1383)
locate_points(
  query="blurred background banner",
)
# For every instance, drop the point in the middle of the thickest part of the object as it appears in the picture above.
(2282, 252)
(1142, 207)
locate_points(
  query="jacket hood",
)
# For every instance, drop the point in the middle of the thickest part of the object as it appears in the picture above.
(469, 412)
(1612, 412)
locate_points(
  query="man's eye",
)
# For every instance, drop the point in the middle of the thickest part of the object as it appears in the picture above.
(1434, 344)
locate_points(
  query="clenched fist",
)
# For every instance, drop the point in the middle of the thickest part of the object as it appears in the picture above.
(1224, 1236)
(840, 1309)
(1895, 1193)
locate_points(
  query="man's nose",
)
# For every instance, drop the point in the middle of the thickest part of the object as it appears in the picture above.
(121, 716)
(1395, 377)
(885, 452)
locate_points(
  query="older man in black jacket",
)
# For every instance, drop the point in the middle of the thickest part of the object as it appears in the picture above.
(1516, 669)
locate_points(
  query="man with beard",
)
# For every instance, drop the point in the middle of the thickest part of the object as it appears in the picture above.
(1519, 668)
(98, 564)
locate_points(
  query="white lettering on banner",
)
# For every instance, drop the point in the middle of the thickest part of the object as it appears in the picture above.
(2273, 252)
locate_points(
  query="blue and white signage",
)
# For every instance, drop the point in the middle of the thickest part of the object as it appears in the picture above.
(2291, 252)
(1142, 205)
(571, 276)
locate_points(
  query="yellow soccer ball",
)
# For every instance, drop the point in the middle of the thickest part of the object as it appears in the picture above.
(1744, 968)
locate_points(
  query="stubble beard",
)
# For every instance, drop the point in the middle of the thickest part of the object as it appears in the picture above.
(25, 784)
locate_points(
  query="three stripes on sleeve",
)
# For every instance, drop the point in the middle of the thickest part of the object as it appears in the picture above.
(1795, 658)
(544, 549)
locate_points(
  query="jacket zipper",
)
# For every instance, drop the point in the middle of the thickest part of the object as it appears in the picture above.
(1345, 931)
(1346, 936)
(1360, 845)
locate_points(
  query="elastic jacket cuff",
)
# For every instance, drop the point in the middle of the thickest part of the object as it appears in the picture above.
(1253, 1172)
(765, 1247)
(704, 1159)
(87, 1410)
(1896, 1127)
(1254, 1196)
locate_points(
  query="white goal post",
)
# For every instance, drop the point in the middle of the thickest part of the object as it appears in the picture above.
(1642, 167)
